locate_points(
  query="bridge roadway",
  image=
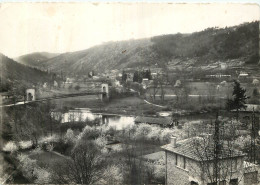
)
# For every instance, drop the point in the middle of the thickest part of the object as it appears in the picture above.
(55, 97)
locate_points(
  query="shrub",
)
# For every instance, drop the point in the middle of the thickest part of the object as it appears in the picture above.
(42, 176)
(69, 136)
(32, 171)
(142, 131)
(166, 135)
(10, 147)
(50, 138)
(25, 144)
(154, 134)
(27, 166)
(112, 175)
(242, 142)
(88, 133)
(100, 142)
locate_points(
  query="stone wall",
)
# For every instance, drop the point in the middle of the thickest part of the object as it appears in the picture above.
(177, 174)
(188, 170)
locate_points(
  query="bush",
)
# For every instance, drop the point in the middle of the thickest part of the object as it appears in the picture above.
(166, 135)
(88, 133)
(154, 134)
(27, 166)
(48, 139)
(25, 144)
(69, 136)
(112, 175)
(242, 142)
(10, 147)
(142, 131)
(42, 176)
(32, 171)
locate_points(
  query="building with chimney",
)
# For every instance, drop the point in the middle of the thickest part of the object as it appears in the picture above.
(192, 162)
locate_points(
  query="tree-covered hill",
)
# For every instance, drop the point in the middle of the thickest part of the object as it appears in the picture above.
(34, 59)
(239, 44)
(212, 44)
(16, 75)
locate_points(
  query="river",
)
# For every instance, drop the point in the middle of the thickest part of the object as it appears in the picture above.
(116, 121)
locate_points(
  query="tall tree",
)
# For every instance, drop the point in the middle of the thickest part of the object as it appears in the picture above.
(136, 77)
(239, 98)
(124, 76)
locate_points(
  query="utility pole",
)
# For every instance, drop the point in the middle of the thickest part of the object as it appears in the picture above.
(216, 151)
(253, 137)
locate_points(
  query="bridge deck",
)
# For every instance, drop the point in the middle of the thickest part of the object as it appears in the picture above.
(55, 97)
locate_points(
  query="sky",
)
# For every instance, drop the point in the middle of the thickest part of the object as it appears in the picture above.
(67, 27)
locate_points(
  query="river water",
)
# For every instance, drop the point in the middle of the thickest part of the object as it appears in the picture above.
(116, 121)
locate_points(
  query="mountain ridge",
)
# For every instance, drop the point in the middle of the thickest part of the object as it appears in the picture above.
(16, 75)
(208, 46)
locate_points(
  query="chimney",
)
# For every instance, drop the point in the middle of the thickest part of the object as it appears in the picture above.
(206, 135)
(173, 141)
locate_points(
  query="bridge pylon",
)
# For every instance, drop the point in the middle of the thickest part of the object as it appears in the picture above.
(30, 95)
(105, 92)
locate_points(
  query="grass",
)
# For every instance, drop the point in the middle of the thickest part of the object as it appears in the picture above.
(126, 106)
(46, 159)
(89, 101)
(130, 106)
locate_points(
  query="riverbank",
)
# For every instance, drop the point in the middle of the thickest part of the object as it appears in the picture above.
(131, 106)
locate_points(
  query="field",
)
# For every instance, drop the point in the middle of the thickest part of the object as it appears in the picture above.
(46, 159)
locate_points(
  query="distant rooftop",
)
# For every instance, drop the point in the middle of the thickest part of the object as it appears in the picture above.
(154, 120)
(196, 148)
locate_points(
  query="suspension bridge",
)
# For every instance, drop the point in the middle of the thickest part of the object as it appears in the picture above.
(30, 95)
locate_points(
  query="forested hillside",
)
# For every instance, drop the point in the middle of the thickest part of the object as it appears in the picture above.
(212, 44)
(16, 75)
(239, 43)
(34, 59)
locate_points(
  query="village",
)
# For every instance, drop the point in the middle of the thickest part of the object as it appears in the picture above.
(141, 111)
(130, 94)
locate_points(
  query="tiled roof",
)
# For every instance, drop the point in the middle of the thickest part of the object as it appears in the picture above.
(154, 120)
(5, 94)
(200, 149)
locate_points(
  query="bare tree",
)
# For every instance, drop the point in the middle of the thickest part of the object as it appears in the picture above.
(154, 87)
(85, 166)
(161, 85)
(220, 160)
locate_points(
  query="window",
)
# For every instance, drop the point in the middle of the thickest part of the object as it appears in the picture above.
(184, 162)
(176, 159)
(235, 164)
(220, 183)
(251, 177)
(233, 182)
(193, 183)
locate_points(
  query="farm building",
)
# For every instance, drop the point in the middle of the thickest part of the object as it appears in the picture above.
(6, 95)
(160, 121)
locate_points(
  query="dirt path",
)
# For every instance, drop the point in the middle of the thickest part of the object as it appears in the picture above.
(154, 104)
